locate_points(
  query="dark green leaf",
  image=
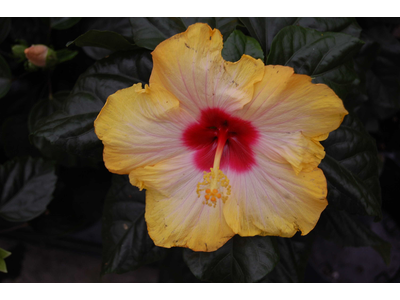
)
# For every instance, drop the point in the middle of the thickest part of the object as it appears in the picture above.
(103, 39)
(37, 117)
(346, 230)
(118, 25)
(241, 259)
(238, 44)
(344, 25)
(149, 32)
(26, 187)
(326, 57)
(63, 23)
(5, 26)
(3, 254)
(5, 77)
(294, 253)
(340, 79)
(126, 243)
(65, 55)
(42, 109)
(351, 169)
(72, 127)
(265, 29)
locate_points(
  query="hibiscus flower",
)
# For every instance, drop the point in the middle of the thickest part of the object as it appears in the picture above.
(221, 148)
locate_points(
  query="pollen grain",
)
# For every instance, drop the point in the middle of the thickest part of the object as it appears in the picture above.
(214, 187)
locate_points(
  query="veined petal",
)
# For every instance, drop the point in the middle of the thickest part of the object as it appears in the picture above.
(272, 200)
(175, 215)
(303, 153)
(286, 102)
(288, 109)
(190, 66)
(140, 127)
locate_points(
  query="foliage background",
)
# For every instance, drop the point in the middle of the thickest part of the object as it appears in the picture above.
(54, 185)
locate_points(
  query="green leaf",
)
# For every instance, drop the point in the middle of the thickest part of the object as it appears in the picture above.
(46, 107)
(343, 25)
(351, 169)
(103, 39)
(117, 25)
(149, 32)
(37, 117)
(5, 77)
(5, 26)
(294, 253)
(126, 243)
(265, 29)
(71, 128)
(3, 254)
(26, 187)
(238, 44)
(63, 23)
(326, 57)
(241, 259)
(346, 230)
(65, 55)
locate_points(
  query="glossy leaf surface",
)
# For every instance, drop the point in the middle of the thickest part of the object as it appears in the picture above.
(127, 244)
(63, 23)
(241, 259)
(238, 44)
(72, 127)
(351, 169)
(103, 39)
(325, 56)
(26, 188)
(265, 29)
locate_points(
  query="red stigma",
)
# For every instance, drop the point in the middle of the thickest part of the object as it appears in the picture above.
(214, 125)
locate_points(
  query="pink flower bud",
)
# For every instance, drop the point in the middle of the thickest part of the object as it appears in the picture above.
(37, 54)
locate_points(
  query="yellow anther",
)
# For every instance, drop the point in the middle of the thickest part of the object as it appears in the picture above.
(215, 185)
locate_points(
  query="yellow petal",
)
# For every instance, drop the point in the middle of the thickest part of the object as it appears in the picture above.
(303, 153)
(272, 200)
(190, 66)
(287, 102)
(293, 115)
(175, 215)
(140, 127)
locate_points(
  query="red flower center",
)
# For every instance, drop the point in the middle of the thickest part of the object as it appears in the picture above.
(218, 127)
